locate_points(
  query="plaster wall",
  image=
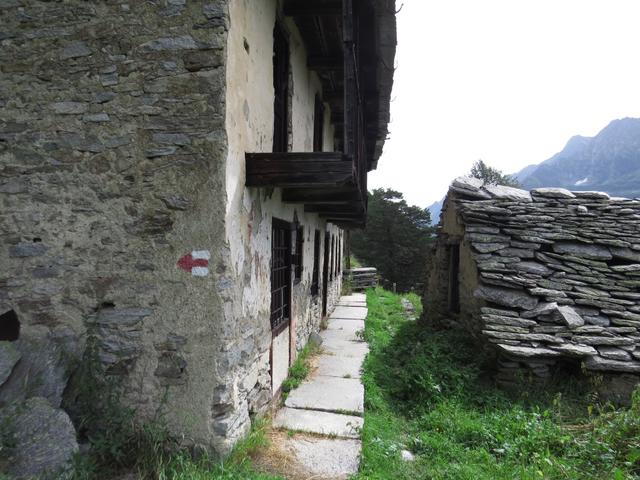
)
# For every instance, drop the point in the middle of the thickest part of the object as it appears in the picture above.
(249, 212)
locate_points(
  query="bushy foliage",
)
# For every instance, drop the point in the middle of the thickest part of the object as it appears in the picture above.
(491, 175)
(425, 391)
(395, 240)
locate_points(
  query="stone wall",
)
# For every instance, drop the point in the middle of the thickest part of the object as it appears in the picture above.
(113, 156)
(559, 274)
(122, 139)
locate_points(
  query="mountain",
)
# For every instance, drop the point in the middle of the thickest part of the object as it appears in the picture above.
(608, 162)
(434, 209)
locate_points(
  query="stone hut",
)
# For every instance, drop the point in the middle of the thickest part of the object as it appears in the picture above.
(543, 277)
(175, 182)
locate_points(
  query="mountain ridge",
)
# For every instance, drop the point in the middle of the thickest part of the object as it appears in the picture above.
(608, 162)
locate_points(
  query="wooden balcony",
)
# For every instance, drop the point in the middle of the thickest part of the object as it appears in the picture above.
(351, 46)
(299, 170)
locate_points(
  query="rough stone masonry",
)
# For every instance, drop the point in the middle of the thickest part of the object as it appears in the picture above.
(544, 275)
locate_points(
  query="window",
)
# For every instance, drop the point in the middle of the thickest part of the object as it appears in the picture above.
(318, 124)
(281, 90)
(331, 244)
(297, 258)
(454, 282)
(280, 275)
(316, 264)
(337, 255)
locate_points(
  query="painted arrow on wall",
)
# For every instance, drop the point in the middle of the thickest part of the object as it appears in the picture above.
(196, 262)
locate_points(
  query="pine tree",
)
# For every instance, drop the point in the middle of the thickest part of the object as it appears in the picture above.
(395, 240)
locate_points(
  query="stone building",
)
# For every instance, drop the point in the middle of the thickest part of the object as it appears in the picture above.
(543, 277)
(175, 181)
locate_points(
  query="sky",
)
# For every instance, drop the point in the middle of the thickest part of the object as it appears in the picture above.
(505, 81)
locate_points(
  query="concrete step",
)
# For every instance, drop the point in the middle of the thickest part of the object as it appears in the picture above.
(322, 423)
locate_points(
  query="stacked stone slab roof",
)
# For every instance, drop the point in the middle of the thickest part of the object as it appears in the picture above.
(559, 270)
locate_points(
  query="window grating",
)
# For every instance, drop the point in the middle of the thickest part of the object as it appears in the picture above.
(297, 254)
(316, 264)
(280, 276)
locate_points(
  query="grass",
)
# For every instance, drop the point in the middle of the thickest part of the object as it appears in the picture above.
(426, 392)
(300, 369)
(119, 444)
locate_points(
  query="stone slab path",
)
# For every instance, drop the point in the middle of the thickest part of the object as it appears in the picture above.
(329, 405)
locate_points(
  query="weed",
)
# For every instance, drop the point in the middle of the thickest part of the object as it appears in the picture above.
(300, 369)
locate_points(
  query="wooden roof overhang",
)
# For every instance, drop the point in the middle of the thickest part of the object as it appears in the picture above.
(351, 46)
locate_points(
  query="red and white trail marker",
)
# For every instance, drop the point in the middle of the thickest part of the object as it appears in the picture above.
(196, 262)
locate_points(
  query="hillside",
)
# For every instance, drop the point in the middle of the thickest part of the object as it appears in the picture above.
(609, 162)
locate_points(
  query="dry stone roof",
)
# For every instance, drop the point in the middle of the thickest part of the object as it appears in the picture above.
(560, 269)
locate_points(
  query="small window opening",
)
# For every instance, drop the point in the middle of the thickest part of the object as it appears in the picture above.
(620, 262)
(37, 240)
(9, 326)
(281, 90)
(454, 279)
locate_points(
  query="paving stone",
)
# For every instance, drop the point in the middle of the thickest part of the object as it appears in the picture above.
(349, 313)
(351, 304)
(340, 335)
(329, 394)
(354, 297)
(336, 459)
(322, 423)
(348, 325)
(342, 367)
(347, 349)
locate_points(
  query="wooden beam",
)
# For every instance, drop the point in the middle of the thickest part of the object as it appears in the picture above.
(320, 63)
(320, 196)
(307, 169)
(304, 8)
(327, 209)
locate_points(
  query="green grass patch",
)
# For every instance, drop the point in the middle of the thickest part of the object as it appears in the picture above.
(426, 391)
(119, 444)
(300, 369)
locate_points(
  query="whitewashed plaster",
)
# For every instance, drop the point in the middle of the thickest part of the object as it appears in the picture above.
(249, 211)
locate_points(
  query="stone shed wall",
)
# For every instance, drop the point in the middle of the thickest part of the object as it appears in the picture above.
(112, 168)
(559, 275)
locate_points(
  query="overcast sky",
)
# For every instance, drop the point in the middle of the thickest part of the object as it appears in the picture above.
(507, 81)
